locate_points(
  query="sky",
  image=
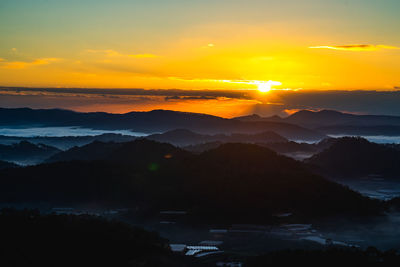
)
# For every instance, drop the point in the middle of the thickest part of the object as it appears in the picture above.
(275, 47)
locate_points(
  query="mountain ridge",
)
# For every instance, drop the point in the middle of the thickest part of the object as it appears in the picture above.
(152, 122)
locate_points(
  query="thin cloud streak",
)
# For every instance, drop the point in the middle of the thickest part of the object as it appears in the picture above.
(358, 47)
(171, 93)
(23, 64)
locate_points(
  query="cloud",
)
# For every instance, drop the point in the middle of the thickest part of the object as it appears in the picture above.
(359, 47)
(248, 82)
(226, 103)
(171, 94)
(204, 97)
(113, 53)
(24, 64)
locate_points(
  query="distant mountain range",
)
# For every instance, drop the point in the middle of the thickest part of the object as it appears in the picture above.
(303, 125)
(184, 137)
(334, 122)
(66, 142)
(156, 121)
(289, 148)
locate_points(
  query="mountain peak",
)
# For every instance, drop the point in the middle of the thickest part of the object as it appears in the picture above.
(322, 112)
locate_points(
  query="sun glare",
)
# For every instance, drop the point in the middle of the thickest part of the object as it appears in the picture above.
(265, 87)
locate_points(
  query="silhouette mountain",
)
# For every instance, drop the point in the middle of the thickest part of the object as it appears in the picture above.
(26, 153)
(357, 157)
(323, 118)
(286, 148)
(200, 148)
(135, 152)
(354, 130)
(320, 118)
(182, 137)
(291, 147)
(152, 121)
(66, 142)
(335, 122)
(240, 182)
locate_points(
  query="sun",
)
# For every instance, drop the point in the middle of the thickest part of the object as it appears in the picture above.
(265, 87)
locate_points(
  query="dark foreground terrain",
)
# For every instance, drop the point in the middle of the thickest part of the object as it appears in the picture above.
(243, 183)
(32, 239)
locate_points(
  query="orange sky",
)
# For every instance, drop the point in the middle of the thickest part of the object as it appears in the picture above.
(297, 45)
(223, 44)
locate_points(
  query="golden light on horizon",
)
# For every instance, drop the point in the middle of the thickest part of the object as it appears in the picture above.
(265, 87)
(262, 86)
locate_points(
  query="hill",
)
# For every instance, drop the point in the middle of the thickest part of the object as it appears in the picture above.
(135, 152)
(26, 153)
(288, 148)
(335, 122)
(239, 182)
(325, 118)
(182, 137)
(66, 142)
(357, 157)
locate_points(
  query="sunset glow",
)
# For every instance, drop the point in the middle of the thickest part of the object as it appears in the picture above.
(240, 132)
(207, 45)
(265, 87)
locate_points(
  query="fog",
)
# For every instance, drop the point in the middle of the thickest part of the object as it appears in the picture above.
(61, 132)
(380, 139)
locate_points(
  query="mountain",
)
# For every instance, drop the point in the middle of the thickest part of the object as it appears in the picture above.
(256, 117)
(131, 152)
(26, 153)
(152, 122)
(335, 122)
(357, 157)
(66, 142)
(384, 130)
(5, 165)
(182, 137)
(320, 118)
(234, 182)
(288, 148)
(326, 118)
(93, 151)
(200, 148)
(292, 147)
